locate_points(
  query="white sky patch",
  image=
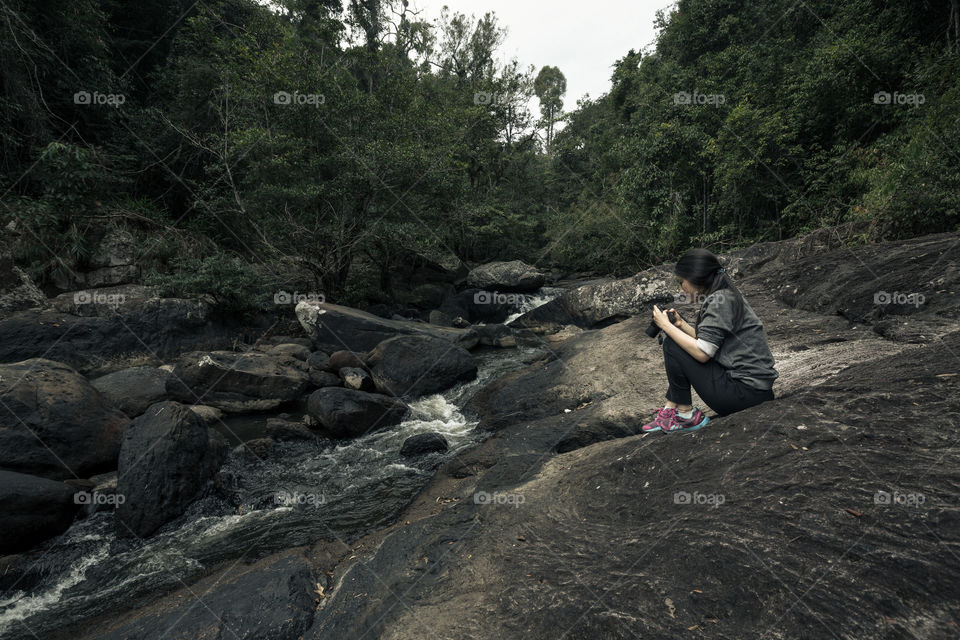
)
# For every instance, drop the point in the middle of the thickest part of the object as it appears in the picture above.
(583, 40)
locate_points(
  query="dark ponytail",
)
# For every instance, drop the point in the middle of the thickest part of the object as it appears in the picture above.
(704, 270)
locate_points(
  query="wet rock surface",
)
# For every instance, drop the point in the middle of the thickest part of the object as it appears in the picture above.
(347, 413)
(831, 511)
(54, 423)
(168, 456)
(237, 382)
(32, 509)
(264, 600)
(334, 328)
(418, 365)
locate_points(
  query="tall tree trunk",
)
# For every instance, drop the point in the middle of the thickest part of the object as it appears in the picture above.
(954, 21)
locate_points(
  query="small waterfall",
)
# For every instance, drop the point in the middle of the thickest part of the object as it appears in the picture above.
(534, 300)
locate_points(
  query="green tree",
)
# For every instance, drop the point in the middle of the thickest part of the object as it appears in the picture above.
(550, 87)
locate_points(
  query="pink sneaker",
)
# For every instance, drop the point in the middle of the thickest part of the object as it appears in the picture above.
(662, 421)
(694, 422)
(668, 421)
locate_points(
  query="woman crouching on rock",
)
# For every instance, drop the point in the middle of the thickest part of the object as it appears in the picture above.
(725, 357)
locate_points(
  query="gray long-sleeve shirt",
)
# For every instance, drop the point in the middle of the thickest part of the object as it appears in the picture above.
(742, 349)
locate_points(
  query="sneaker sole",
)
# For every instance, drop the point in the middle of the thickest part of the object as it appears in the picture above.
(695, 427)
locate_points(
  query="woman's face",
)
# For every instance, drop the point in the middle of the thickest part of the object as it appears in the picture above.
(687, 287)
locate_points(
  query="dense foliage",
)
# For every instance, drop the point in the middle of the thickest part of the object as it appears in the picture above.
(322, 143)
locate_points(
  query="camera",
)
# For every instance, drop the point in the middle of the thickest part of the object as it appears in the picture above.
(653, 329)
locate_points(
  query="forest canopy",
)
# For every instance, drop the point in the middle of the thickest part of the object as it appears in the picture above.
(335, 140)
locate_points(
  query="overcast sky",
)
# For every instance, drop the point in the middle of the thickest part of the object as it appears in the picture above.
(583, 39)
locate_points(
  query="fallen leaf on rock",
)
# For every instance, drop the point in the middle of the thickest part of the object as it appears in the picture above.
(670, 608)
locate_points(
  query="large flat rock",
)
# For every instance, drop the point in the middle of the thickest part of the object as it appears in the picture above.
(336, 328)
(816, 515)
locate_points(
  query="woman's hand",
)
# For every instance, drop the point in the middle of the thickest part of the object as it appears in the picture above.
(660, 317)
(678, 320)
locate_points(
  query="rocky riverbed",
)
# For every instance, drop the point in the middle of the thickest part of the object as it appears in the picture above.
(830, 511)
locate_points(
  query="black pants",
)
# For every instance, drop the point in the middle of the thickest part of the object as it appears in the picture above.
(712, 381)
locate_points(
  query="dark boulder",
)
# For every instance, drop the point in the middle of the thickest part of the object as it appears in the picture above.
(32, 509)
(319, 360)
(238, 382)
(356, 378)
(430, 295)
(324, 379)
(298, 351)
(133, 390)
(423, 443)
(506, 276)
(345, 359)
(335, 328)
(167, 458)
(54, 423)
(419, 365)
(346, 413)
(286, 430)
(210, 415)
(135, 331)
(320, 372)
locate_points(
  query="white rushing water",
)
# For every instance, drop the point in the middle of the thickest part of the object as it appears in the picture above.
(534, 300)
(19, 606)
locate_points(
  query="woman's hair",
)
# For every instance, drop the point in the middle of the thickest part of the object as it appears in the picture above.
(704, 270)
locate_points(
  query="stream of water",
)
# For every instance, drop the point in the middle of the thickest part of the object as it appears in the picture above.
(300, 493)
